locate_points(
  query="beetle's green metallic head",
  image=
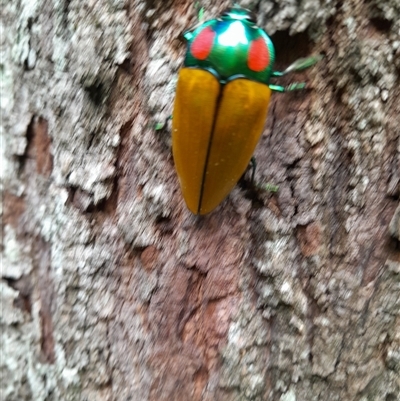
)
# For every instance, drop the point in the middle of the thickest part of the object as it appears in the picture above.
(231, 46)
(239, 14)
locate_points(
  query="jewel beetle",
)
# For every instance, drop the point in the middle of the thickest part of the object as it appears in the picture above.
(221, 104)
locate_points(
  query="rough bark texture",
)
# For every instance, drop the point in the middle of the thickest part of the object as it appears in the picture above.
(112, 290)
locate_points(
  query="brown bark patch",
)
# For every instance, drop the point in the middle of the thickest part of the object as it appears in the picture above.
(309, 238)
(46, 295)
(149, 257)
(39, 145)
(200, 381)
(208, 327)
(14, 207)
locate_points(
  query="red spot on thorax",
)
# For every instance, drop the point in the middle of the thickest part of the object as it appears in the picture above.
(202, 44)
(258, 59)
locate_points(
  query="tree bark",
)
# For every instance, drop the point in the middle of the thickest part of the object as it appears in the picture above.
(113, 290)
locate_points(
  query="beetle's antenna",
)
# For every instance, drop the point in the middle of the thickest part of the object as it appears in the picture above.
(200, 11)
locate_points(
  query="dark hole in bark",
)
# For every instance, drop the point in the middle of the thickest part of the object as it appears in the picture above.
(290, 48)
(96, 93)
(164, 224)
(381, 24)
(24, 287)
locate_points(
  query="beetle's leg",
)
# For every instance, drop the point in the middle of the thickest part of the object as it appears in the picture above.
(269, 187)
(200, 13)
(253, 166)
(188, 35)
(264, 187)
(160, 126)
(298, 65)
(292, 87)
